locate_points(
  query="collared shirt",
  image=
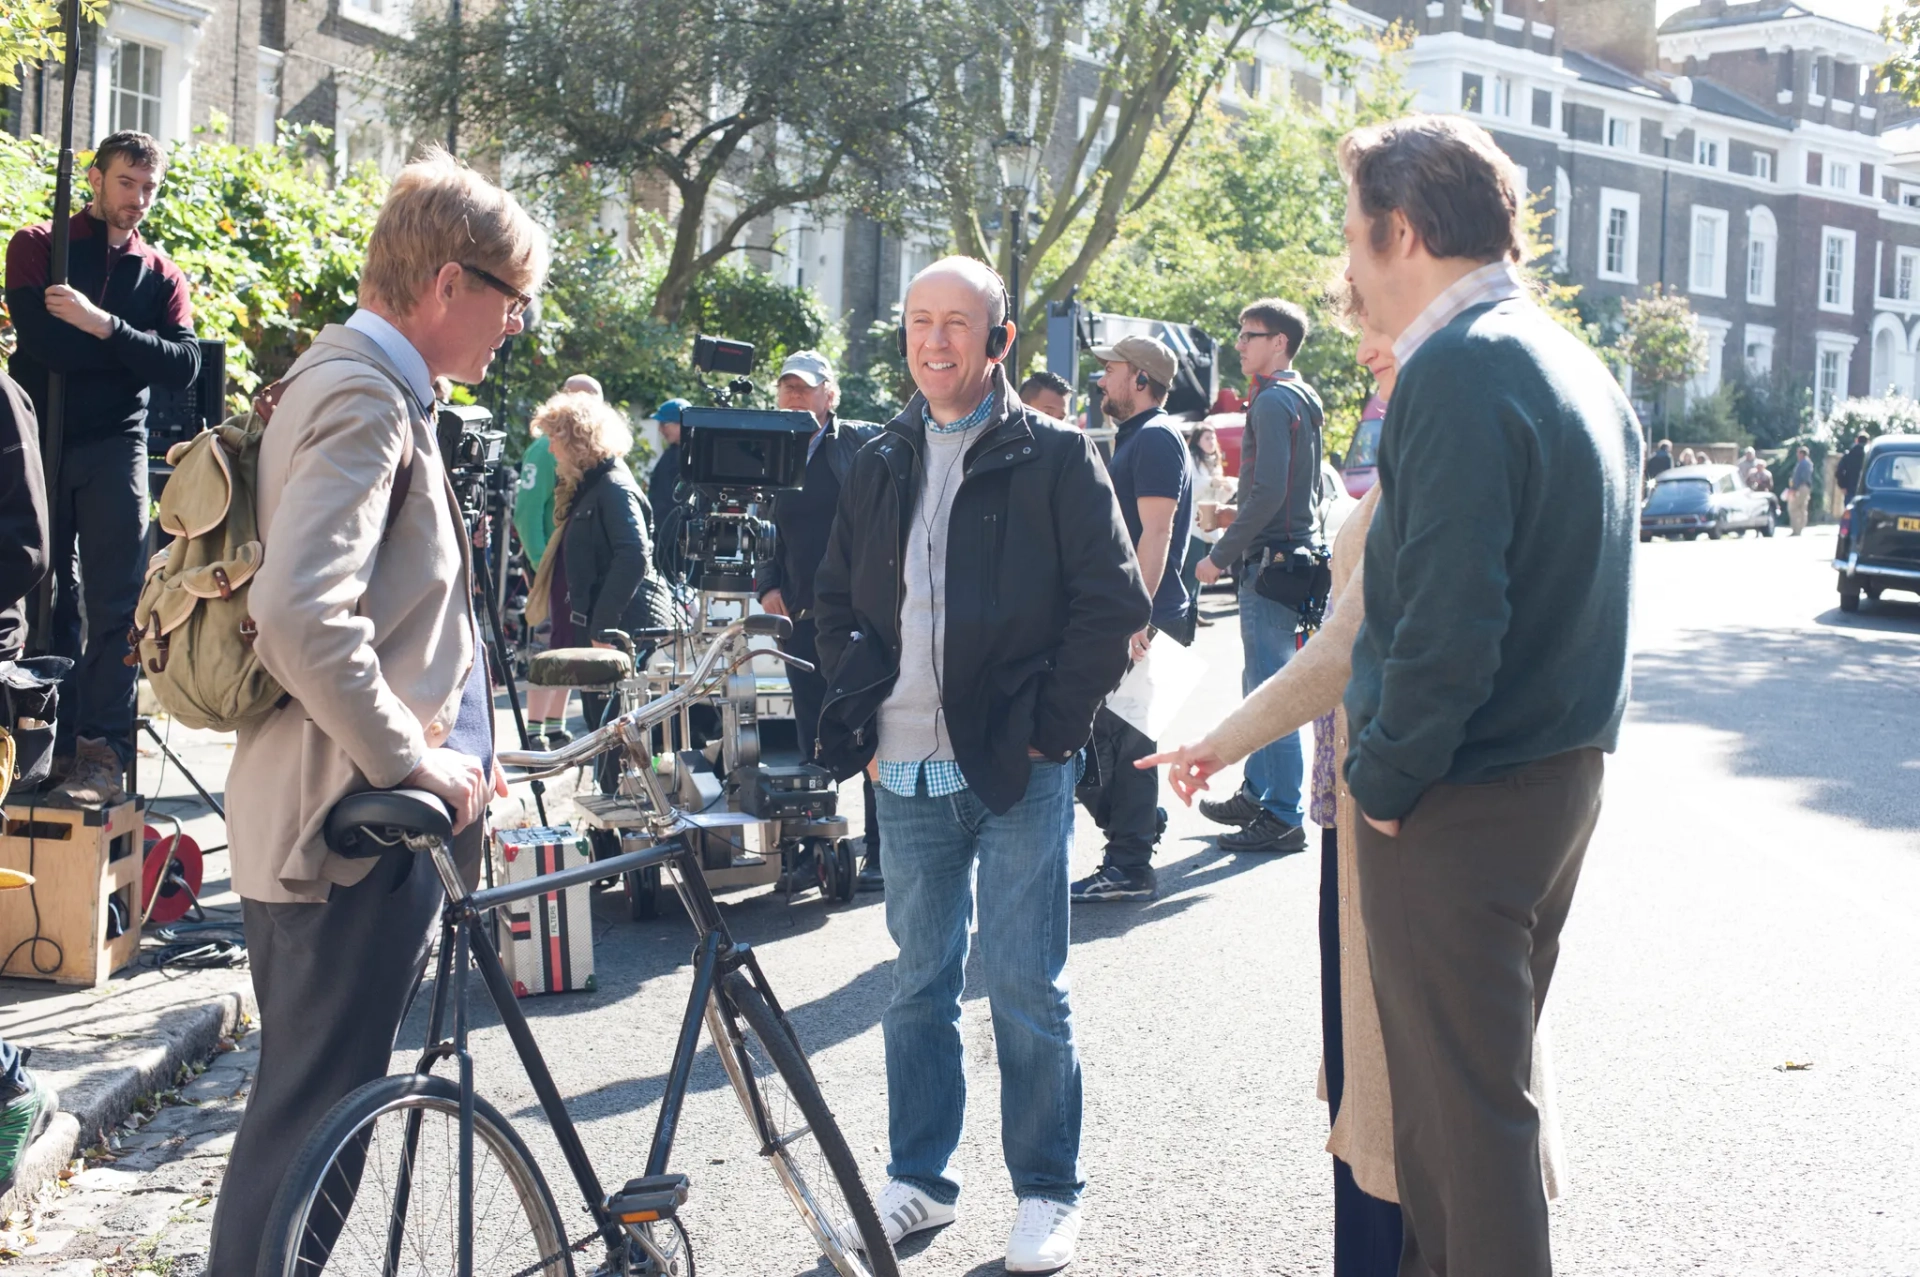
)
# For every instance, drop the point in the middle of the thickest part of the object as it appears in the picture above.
(1494, 282)
(819, 433)
(968, 422)
(407, 360)
(943, 778)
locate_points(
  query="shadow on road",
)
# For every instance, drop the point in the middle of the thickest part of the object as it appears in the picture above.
(1182, 886)
(1836, 709)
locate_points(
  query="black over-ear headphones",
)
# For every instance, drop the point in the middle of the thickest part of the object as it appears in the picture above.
(999, 337)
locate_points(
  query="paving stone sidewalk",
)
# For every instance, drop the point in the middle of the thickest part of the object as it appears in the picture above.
(142, 1202)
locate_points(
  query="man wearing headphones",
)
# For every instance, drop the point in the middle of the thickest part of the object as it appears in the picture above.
(1154, 483)
(974, 609)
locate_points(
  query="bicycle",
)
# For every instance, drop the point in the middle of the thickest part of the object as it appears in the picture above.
(377, 1189)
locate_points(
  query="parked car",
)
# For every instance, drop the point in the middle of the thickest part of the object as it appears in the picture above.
(1363, 454)
(1704, 501)
(1879, 546)
(1228, 427)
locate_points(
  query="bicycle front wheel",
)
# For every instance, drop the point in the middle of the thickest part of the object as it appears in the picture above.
(376, 1192)
(796, 1130)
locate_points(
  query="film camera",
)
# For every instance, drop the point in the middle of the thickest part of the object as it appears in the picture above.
(471, 450)
(734, 459)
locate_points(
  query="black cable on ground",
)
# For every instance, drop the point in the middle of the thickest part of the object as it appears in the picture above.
(33, 898)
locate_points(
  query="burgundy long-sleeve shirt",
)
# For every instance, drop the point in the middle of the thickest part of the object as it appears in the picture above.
(107, 378)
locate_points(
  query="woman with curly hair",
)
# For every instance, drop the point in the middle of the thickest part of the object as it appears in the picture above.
(605, 551)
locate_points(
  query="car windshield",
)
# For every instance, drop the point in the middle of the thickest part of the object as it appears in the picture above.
(1899, 470)
(1365, 450)
(1677, 495)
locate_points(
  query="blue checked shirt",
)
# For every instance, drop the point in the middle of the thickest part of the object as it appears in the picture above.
(943, 774)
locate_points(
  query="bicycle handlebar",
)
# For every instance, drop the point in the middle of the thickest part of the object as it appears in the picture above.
(534, 764)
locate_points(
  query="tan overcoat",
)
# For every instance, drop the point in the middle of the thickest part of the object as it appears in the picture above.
(368, 628)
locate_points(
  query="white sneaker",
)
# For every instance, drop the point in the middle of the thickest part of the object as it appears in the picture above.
(1043, 1236)
(902, 1209)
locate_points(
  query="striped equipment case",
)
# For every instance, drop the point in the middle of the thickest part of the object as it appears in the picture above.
(546, 941)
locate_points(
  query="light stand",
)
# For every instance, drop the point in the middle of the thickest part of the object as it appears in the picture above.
(1018, 157)
(53, 424)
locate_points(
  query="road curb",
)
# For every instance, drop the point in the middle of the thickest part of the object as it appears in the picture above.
(189, 1032)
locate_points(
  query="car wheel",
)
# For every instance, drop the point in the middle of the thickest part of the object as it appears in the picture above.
(1766, 529)
(1646, 538)
(1849, 596)
(1715, 532)
(1873, 593)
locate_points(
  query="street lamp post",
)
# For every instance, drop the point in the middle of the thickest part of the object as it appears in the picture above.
(1018, 157)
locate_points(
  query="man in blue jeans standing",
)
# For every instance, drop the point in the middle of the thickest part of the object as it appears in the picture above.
(973, 610)
(1279, 463)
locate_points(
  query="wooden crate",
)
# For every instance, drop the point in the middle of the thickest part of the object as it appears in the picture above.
(80, 858)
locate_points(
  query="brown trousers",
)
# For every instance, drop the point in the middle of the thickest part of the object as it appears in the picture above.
(1463, 913)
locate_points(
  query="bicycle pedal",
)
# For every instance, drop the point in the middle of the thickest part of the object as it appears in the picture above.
(642, 1201)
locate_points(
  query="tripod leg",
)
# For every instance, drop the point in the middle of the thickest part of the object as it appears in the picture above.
(146, 725)
(502, 655)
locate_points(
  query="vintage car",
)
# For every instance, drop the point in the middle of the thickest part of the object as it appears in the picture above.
(1709, 501)
(1879, 546)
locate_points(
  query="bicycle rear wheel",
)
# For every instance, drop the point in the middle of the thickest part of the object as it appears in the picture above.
(796, 1130)
(375, 1192)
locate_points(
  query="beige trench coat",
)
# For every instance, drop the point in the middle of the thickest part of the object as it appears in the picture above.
(1307, 687)
(368, 628)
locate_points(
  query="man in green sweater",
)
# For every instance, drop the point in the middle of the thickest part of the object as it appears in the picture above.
(1489, 676)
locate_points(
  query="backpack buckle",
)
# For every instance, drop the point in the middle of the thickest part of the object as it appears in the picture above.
(248, 631)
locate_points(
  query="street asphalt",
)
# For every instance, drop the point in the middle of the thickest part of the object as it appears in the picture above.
(1749, 901)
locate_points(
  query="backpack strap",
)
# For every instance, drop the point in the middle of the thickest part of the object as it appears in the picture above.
(268, 401)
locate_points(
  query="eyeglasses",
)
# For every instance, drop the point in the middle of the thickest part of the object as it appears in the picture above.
(1246, 337)
(520, 300)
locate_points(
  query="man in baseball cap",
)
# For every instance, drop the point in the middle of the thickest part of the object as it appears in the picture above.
(666, 471)
(1154, 486)
(802, 521)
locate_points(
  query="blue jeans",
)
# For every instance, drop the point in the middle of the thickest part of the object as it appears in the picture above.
(1274, 774)
(928, 850)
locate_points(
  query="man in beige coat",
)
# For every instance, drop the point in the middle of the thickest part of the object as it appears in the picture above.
(363, 610)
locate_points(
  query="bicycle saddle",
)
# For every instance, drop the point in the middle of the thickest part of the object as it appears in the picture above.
(588, 667)
(392, 813)
(767, 625)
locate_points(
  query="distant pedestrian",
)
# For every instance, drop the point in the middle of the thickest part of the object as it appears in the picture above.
(1214, 488)
(1687, 458)
(1846, 476)
(1760, 479)
(1749, 461)
(534, 523)
(1047, 392)
(665, 479)
(1489, 675)
(1800, 490)
(1279, 474)
(974, 609)
(1661, 461)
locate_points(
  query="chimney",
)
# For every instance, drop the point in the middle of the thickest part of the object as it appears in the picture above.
(1619, 31)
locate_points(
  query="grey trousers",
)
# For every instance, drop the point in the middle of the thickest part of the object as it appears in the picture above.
(333, 982)
(1463, 913)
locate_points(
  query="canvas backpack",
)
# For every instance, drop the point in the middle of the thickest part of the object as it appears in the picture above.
(193, 630)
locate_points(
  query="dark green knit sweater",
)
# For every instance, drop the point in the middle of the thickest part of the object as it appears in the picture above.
(1499, 565)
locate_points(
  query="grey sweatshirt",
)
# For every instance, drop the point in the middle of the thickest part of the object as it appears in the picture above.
(912, 726)
(1279, 469)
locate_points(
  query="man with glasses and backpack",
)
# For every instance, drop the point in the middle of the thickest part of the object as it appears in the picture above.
(1279, 467)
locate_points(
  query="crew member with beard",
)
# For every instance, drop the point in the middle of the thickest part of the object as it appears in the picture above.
(123, 323)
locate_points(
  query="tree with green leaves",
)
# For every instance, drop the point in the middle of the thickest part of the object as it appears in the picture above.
(1159, 63)
(1900, 25)
(738, 109)
(30, 32)
(1662, 341)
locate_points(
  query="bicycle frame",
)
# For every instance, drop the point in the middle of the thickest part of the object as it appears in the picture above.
(464, 942)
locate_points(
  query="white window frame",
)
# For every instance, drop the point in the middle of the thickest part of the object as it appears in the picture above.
(1712, 373)
(1627, 202)
(1109, 129)
(267, 72)
(1710, 150)
(1840, 175)
(1829, 390)
(1707, 252)
(1500, 95)
(394, 17)
(1763, 241)
(175, 28)
(1761, 336)
(137, 86)
(1628, 130)
(1763, 165)
(1836, 276)
(1906, 274)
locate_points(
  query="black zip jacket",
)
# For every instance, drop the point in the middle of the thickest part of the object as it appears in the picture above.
(608, 552)
(803, 516)
(24, 538)
(107, 378)
(1043, 592)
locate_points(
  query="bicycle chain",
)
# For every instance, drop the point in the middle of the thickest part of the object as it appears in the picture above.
(541, 1264)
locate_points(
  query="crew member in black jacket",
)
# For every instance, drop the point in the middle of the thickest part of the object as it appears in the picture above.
(974, 609)
(23, 517)
(802, 521)
(123, 323)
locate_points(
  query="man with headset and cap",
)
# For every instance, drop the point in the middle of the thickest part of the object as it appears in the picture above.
(802, 521)
(1154, 484)
(974, 608)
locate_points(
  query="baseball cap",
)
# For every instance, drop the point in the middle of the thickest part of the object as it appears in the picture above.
(670, 410)
(809, 366)
(1149, 354)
